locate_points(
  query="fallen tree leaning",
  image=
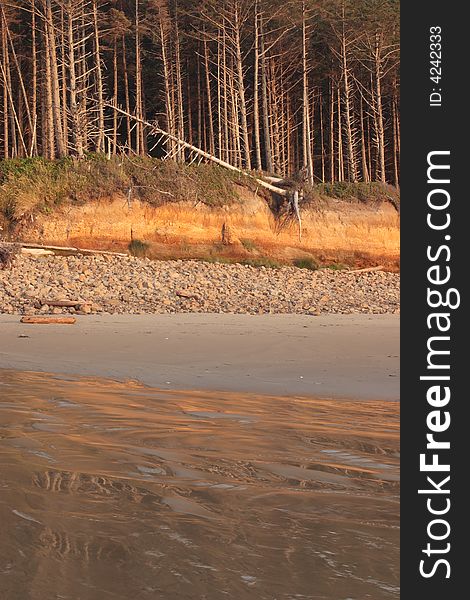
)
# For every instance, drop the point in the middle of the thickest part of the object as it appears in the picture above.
(267, 183)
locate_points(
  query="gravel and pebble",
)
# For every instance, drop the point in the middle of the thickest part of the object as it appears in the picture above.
(129, 285)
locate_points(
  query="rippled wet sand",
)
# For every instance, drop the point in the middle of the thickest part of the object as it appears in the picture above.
(116, 490)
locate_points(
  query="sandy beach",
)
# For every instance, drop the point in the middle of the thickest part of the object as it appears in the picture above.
(348, 356)
(118, 490)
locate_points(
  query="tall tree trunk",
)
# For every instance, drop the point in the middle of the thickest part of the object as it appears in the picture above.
(306, 134)
(274, 96)
(189, 110)
(13, 125)
(350, 132)
(395, 144)
(115, 95)
(219, 97)
(290, 167)
(256, 124)
(82, 77)
(397, 123)
(210, 115)
(283, 127)
(264, 95)
(322, 138)
(63, 78)
(168, 82)
(332, 132)
(34, 80)
(55, 85)
(369, 148)
(126, 96)
(225, 98)
(77, 139)
(237, 150)
(48, 120)
(139, 146)
(241, 89)
(340, 139)
(100, 147)
(365, 168)
(179, 89)
(199, 105)
(379, 108)
(6, 100)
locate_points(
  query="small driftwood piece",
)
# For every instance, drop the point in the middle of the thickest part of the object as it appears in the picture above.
(63, 303)
(48, 320)
(185, 294)
(37, 252)
(368, 269)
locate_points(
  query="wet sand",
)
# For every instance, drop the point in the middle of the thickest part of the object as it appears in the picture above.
(118, 490)
(349, 356)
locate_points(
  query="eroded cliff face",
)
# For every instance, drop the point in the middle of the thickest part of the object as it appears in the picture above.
(341, 232)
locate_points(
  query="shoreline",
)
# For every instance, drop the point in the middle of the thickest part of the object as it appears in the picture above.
(339, 356)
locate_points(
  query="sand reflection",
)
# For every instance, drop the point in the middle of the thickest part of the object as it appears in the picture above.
(116, 490)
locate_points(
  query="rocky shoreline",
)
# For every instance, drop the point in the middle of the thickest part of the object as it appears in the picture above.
(128, 285)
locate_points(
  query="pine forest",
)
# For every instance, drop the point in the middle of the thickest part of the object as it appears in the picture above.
(302, 86)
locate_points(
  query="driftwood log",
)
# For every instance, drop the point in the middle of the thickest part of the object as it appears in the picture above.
(63, 303)
(70, 249)
(63, 250)
(29, 247)
(48, 320)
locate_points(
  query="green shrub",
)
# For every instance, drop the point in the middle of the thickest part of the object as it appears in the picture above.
(218, 259)
(262, 262)
(138, 248)
(306, 263)
(33, 185)
(374, 191)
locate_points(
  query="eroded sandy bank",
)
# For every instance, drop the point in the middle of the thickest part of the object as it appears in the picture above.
(340, 231)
